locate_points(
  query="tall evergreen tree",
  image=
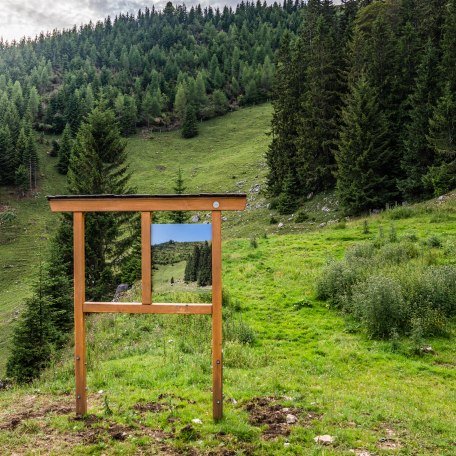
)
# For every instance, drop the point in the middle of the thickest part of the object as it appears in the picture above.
(418, 155)
(179, 189)
(65, 147)
(190, 125)
(8, 160)
(364, 179)
(97, 166)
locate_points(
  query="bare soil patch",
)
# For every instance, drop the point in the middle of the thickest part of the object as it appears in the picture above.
(268, 411)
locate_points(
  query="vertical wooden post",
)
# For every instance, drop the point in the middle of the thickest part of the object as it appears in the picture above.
(146, 258)
(79, 317)
(217, 356)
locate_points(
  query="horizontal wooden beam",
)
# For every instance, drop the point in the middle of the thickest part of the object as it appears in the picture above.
(146, 203)
(156, 308)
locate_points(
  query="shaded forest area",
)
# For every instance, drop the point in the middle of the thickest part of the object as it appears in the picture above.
(364, 103)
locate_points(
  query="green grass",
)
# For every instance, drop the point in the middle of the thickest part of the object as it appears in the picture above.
(376, 396)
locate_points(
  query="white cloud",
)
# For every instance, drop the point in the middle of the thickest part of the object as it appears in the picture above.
(28, 18)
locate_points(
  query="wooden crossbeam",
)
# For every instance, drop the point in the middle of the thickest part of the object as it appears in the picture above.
(143, 203)
(155, 308)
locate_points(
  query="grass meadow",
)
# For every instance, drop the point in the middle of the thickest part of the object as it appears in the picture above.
(285, 352)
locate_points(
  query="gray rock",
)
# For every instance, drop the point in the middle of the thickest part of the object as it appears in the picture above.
(291, 419)
(280, 225)
(256, 188)
(322, 225)
(224, 218)
(310, 195)
(326, 209)
(324, 439)
(122, 288)
(195, 219)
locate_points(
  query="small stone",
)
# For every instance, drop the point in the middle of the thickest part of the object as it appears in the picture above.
(427, 349)
(195, 218)
(324, 439)
(286, 444)
(224, 218)
(197, 421)
(326, 209)
(100, 392)
(280, 225)
(322, 225)
(291, 419)
(310, 195)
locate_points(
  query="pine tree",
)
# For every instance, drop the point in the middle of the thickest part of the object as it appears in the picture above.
(31, 347)
(281, 155)
(179, 189)
(418, 154)
(21, 179)
(317, 128)
(65, 147)
(190, 125)
(442, 125)
(441, 177)
(97, 166)
(180, 102)
(364, 178)
(8, 160)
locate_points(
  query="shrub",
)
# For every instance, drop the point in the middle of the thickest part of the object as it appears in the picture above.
(379, 304)
(362, 250)
(7, 217)
(253, 243)
(398, 253)
(336, 282)
(400, 212)
(434, 241)
(301, 217)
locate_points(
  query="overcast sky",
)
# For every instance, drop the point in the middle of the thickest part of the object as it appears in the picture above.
(29, 17)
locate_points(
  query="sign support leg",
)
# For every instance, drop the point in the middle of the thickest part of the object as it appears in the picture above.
(79, 317)
(217, 356)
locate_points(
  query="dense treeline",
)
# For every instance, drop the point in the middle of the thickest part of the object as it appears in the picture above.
(18, 153)
(199, 266)
(365, 102)
(150, 68)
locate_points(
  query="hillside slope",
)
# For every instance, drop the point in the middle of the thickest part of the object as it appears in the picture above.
(228, 155)
(150, 376)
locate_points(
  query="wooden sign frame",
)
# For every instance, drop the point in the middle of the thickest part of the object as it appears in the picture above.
(145, 204)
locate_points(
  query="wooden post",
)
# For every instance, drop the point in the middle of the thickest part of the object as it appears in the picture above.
(146, 258)
(217, 356)
(79, 317)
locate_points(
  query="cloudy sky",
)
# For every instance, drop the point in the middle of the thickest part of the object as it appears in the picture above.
(29, 17)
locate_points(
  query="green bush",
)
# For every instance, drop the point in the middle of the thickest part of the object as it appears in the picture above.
(434, 241)
(336, 282)
(398, 253)
(379, 304)
(400, 212)
(301, 217)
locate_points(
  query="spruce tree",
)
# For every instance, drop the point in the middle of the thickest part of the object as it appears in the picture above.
(442, 125)
(190, 125)
(418, 154)
(97, 166)
(364, 179)
(8, 161)
(179, 189)
(281, 154)
(65, 147)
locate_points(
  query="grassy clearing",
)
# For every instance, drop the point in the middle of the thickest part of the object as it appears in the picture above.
(150, 376)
